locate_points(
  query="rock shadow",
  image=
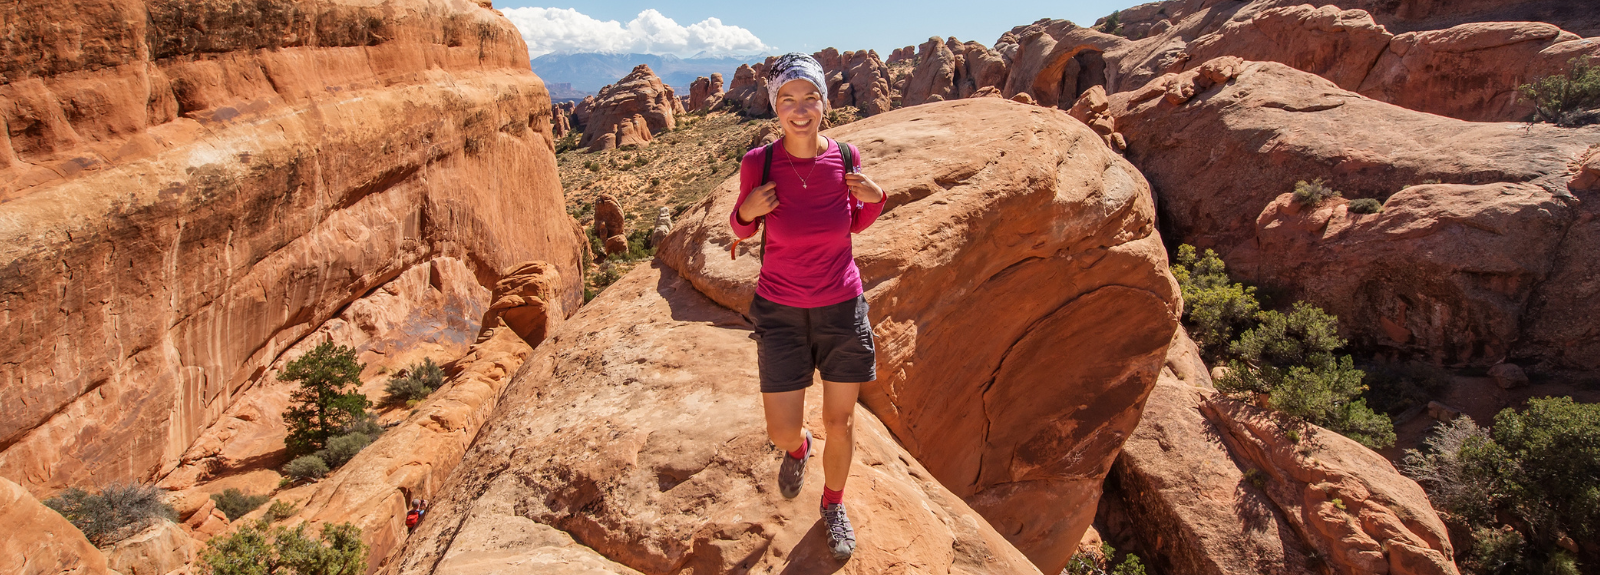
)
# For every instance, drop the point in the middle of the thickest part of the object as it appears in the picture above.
(811, 555)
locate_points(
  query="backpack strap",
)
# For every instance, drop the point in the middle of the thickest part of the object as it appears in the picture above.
(766, 176)
(849, 155)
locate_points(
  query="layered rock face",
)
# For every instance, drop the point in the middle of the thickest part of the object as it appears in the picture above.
(1471, 270)
(934, 78)
(1054, 61)
(194, 188)
(637, 430)
(630, 112)
(1013, 233)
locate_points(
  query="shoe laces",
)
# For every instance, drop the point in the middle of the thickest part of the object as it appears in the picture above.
(838, 522)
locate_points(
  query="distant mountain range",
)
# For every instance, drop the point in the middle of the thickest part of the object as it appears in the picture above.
(588, 72)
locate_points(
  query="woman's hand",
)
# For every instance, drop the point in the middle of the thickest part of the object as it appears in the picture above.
(863, 188)
(760, 202)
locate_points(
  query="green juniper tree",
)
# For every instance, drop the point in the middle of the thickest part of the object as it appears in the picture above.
(327, 400)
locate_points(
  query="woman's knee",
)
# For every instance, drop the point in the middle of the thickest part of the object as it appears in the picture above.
(842, 422)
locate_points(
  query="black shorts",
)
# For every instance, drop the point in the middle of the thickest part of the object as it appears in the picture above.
(792, 342)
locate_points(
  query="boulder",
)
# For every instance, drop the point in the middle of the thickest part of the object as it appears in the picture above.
(1508, 376)
(637, 430)
(201, 189)
(632, 110)
(663, 226)
(1093, 109)
(414, 459)
(609, 222)
(528, 301)
(934, 75)
(1212, 486)
(975, 222)
(1462, 272)
(158, 550)
(40, 541)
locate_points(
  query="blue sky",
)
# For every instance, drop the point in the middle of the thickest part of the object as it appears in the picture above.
(683, 28)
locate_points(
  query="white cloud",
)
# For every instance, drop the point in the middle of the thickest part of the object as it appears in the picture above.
(549, 30)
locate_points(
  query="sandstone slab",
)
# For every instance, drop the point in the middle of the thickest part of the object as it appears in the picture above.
(40, 541)
(637, 430)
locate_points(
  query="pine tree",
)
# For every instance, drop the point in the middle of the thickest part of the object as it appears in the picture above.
(327, 400)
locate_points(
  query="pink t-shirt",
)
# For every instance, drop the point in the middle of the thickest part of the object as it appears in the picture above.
(807, 262)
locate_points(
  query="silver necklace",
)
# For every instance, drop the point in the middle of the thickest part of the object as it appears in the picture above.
(790, 159)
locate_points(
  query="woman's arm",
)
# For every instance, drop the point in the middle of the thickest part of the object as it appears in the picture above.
(862, 189)
(749, 178)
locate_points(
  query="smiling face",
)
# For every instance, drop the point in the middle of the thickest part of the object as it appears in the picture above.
(799, 110)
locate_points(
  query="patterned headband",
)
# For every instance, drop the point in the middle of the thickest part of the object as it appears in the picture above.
(796, 66)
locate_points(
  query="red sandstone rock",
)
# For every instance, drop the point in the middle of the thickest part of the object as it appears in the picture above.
(218, 194)
(631, 110)
(934, 75)
(1215, 487)
(414, 459)
(864, 83)
(1461, 273)
(1055, 61)
(39, 541)
(637, 430)
(1340, 45)
(705, 93)
(1472, 71)
(161, 549)
(1092, 108)
(975, 222)
(609, 223)
(528, 301)
(747, 94)
(432, 310)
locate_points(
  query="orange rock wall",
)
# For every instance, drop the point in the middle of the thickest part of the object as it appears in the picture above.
(191, 187)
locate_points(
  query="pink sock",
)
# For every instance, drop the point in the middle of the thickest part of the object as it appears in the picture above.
(805, 444)
(831, 497)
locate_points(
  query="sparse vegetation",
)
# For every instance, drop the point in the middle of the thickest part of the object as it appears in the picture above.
(1571, 99)
(341, 449)
(279, 510)
(1521, 489)
(326, 401)
(414, 384)
(1112, 23)
(306, 467)
(1366, 206)
(235, 504)
(261, 549)
(1313, 193)
(115, 513)
(1286, 358)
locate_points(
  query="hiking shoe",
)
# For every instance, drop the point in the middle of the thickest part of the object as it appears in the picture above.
(792, 472)
(841, 536)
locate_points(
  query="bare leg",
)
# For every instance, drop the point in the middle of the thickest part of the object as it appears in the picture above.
(838, 411)
(786, 413)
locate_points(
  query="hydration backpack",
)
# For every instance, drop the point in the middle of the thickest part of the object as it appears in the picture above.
(412, 517)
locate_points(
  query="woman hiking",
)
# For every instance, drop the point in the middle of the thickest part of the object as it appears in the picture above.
(809, 311)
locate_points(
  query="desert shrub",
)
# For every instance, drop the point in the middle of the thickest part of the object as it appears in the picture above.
(1130, 565)
(1535, 471)
(235, 504)
(260, 549)
(306, 467)
(567, 143)
(592, 166)
(1290, 357)
(326, 401)
(1569, 99)
(1113, 23)
(1313, 193)
(1214, 308)
(415, 383)
(342, 448)
(279, 511)
(115, 513)
(1366, 206)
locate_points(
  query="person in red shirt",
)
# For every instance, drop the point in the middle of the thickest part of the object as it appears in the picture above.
(809, 311)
